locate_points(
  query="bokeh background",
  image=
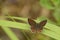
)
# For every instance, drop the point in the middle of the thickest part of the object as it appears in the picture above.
(14, 16)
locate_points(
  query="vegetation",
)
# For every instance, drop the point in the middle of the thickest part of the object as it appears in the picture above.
(51, 29)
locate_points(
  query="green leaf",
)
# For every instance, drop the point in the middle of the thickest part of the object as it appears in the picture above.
(14, 24)
(50, 30)
(11, 35)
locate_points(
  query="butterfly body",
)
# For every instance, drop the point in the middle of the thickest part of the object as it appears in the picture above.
(36, 27)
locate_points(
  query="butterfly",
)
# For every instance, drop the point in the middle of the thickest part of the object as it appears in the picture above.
(36, 27)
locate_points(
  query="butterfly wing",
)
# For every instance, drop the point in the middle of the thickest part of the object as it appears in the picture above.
(32, 23)
(41, 25)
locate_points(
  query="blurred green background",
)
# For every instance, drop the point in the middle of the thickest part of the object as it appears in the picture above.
(51, 30)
